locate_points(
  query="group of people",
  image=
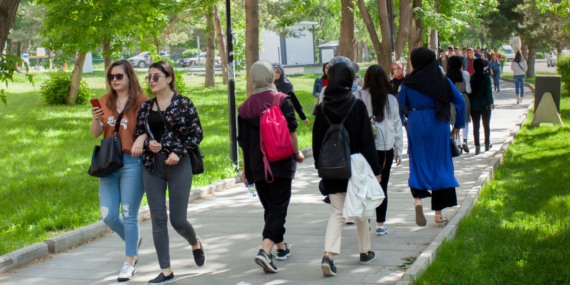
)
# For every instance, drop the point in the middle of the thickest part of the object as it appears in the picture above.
(157, 136)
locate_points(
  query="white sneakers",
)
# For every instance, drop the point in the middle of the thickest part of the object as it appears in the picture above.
(127, 272)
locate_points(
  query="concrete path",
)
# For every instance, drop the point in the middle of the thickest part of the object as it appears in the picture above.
(230, 224)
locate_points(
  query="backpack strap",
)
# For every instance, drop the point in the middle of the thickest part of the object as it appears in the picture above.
(348, 113)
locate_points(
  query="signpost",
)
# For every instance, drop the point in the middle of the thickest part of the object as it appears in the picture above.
(231, 88)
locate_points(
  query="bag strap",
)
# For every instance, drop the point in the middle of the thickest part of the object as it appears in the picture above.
(276, 99)
(118, 122)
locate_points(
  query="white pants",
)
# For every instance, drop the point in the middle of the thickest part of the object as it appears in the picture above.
(337, 221)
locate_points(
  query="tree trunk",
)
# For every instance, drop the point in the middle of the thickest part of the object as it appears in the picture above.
(251, 39)
(8, 9)
(210, 49)
(221, 39)
(19, 49)
(347, 38)
(366, 55)
(433, 41)
(404, 28)
(156, 44)
(524, 50)
(531, 60)
(559, 47)
(106, 55)
(385, 59)
(416, 32)
(76, 79)
(371, 29)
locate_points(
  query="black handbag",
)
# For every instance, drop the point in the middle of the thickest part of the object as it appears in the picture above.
(455, 150)
(108, 157)
(196, 157)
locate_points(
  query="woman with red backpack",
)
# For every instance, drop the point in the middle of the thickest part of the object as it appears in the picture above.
(272, 177)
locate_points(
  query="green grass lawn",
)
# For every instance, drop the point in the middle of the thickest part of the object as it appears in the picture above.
(530, 80)
(46, 151)
(519, 230)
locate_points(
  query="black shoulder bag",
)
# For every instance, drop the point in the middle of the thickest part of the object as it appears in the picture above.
(108, 157)
(196, 157)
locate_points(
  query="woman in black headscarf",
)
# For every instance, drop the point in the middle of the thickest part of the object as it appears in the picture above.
(285, 86)
(482, 103)
(428, 94)
(338, 103)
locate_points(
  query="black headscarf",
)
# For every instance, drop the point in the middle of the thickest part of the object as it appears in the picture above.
(427, 78)
(282, 83)
(454, 65)
(338, 94)
(324, 68)
(478, 76)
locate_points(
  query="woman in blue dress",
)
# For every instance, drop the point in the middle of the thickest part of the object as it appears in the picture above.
(428, 94)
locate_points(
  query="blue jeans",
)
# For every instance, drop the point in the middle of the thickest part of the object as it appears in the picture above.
(519, 85)
(497, 78)
(123, 190)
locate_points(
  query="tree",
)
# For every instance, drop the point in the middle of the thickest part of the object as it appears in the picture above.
(8, 9)
(251, 38)
(347, 39)
(221, 39)
(26, 28)
(210, 49)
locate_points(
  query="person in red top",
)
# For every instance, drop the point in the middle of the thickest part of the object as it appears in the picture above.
(321, 82)
(121, 192)
(468, 61)
(498, 54)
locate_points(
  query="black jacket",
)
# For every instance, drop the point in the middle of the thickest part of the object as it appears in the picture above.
(361, 141)
(248, 139)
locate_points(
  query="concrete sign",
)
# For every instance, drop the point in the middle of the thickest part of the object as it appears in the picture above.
(546, 112)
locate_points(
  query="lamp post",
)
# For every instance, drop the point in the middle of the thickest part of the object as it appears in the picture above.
(231, 88)
(392, 40)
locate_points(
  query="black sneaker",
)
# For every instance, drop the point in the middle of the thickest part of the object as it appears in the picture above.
(282, 254)
(327, 265)
(366, 258)
(199, 254)
(161, 279)
(265, 261)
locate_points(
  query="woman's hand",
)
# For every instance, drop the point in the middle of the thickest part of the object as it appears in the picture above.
(173, 159)
(137, 148)
(300, 157)
(492, 106)
(455, 134)
(398, 161)
(96, 112)
(379, 178)
(154, 146)
(307, 122)
(242, 175)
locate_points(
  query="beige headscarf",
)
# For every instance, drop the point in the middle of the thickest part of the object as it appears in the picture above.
(263, 76)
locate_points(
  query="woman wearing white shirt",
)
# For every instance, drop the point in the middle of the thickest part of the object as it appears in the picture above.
(383, 110)
(519, 69)
(461, 80)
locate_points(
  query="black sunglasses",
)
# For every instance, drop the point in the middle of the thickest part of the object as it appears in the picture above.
(118, 76)
(154, 78)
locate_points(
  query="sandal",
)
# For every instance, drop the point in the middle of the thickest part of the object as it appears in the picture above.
(420, 218)
(443, 220)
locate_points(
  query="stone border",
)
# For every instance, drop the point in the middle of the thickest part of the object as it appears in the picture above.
(61, 242)
(448, 232)
(530, 86)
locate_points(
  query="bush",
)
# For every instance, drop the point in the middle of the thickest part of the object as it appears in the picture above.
(56, 88)
(539, 55)
(564, 70)
(190, 52)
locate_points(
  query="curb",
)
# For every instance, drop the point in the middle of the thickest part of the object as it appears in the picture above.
(530, 86)
(61, 242)
(448, 232)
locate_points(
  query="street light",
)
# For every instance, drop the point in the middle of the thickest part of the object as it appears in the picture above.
(231, 88)
(393, 41)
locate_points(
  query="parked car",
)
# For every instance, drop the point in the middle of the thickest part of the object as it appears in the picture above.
(193, 60)
(551, 58)
(510, 53)
(143, 59)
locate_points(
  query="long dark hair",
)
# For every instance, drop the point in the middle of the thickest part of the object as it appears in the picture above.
(134, 87)
(324, 68)
(377, 84)
(478, 76)
(454, 65)
(168, 71)
(518, 57)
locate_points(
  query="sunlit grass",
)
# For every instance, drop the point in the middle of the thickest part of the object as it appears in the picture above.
(46, 151)
(519, 230)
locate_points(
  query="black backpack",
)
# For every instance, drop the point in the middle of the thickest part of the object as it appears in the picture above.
(334, 161)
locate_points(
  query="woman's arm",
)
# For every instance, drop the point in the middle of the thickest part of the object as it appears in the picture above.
(399, 137)
(96, 125)
(297, 105)
(467, 80)
(195, 131)
(459, 104)
(489, 88)
(317, 87)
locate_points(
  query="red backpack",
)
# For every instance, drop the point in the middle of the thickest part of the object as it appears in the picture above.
(274, 136)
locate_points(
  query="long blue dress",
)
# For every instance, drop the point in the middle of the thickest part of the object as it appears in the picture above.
(429, 145)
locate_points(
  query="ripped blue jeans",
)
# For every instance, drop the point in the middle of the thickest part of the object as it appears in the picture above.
(123, 190)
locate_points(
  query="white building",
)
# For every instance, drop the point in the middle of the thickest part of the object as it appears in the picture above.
(291, 50)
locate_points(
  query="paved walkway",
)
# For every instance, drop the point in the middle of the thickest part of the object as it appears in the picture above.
(230, 224)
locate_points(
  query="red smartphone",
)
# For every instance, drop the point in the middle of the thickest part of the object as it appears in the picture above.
(95, 103)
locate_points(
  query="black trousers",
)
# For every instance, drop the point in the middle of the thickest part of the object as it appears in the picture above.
(476, 117)
(275, 199)
(440, 199)
(383, 208)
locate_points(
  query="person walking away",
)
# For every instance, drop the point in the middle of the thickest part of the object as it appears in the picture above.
(321, 82)
(428, 94)
(286, 87)
(121, 191)
(273, 189)
(482, 103)
(168, 130)
(442, 60)
(461, 81)
(468, 61)
(382, 107)
(519, 68)
(495, 67)
(338, 59)
(340, 104)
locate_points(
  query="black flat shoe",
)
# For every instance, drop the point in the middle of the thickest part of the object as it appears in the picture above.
(161, 279)
(488, 146)
(199, 254)
(477, 150)
(328, 267)
(465, 147)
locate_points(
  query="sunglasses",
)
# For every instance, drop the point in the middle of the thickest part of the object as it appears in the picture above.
(154, 78)
(118, 76)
